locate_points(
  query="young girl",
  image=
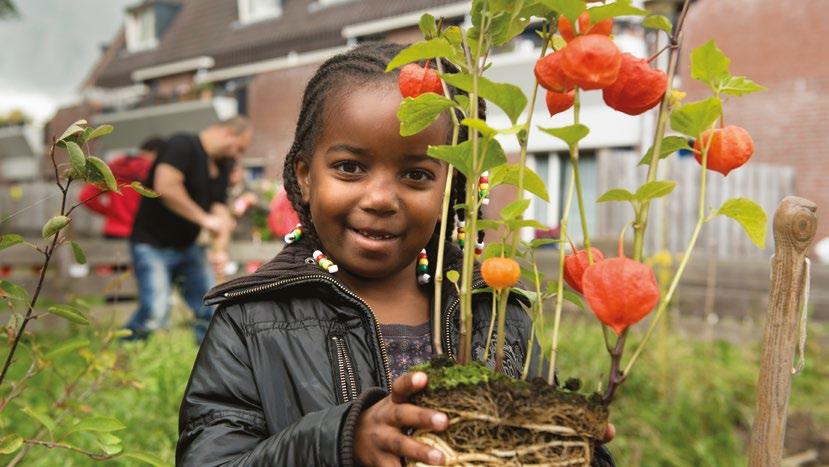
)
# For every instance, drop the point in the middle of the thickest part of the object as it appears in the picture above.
(305, 360)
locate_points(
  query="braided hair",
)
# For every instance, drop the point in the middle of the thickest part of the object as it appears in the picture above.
(365, 64)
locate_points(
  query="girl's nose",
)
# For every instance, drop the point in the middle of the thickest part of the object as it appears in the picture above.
(381, 197)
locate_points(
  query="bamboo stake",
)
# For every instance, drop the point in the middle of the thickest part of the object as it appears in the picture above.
(795, 223)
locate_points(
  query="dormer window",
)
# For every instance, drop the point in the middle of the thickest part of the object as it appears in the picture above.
(251, 11)
(140, 29)
(147, 22)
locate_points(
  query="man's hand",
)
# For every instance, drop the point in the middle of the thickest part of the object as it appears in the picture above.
(214, 223)
(379, 439)
(218, 260)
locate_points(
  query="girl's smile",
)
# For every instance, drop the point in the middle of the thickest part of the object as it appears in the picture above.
(374, 195)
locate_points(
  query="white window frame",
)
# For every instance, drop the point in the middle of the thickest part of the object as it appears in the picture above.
(248, 13)
(140, 29)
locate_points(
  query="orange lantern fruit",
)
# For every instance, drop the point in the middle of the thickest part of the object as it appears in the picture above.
(591, 62)
(565, 27)
(731, 147)
(576, 263)
(500, 273)
(414, 80)
(637, 88)
(558, 102)
(549, 74)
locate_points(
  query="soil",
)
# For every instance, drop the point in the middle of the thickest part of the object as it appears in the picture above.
(496, 420)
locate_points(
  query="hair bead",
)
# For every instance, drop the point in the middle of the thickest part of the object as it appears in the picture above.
(324, 262)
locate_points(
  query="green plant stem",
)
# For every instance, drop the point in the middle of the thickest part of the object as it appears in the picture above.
(90, 454)
(641, 224)
(616, 377)
(48, 256)
(574, 162)
(538, 316)
(500, 336)
(666, 300)
(492, 317)
(523, 143)
(560, 286)
(437, 344)
(465, 351)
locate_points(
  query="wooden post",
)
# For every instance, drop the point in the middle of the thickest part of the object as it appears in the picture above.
(795, 223)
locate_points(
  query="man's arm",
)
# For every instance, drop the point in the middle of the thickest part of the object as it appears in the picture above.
(169, 183)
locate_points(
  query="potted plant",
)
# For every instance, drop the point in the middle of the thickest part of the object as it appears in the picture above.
(499, 420)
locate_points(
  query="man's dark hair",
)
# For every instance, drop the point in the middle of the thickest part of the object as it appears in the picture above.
(360, 66)
(154, 144)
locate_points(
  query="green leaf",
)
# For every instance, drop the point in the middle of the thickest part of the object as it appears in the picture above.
(654, 189)
(10, 443)
(102, 130)
(460, 156)
(66, 348)
(489, 224)
(453, 35)
(73, 129)
(69, 312)
(417, 114)
(9, 240)
(558, 42)
(508, 97)
(144, 457)
(611, 10)
(694, 118)
(515, 224)
(77, 251)
(76, 157)
(39, 417)
(740, 86)
(476, 123)
(105, 171)
(98, 423)
(53, 225)
(514, 209)
(539, 242)
(709, 65)
(616, 194)
(14, 292)
(453, 276)
(670, 145)
(494, 155)
(428, 26)
(569, 134)
(509, 174)
(433, 48)
(573, 298)
(143, 191)
(750, 216)
(658, 22)
(569, 8)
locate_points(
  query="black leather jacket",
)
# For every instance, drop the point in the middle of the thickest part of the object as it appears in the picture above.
(291, 358)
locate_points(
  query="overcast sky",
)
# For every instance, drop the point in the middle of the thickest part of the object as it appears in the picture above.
(47, 52)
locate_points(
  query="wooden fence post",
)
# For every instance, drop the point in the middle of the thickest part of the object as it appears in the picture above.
(795, 223)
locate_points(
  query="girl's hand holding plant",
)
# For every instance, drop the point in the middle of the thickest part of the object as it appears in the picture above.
(379, 438)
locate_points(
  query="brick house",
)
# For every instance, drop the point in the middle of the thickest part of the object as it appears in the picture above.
(782, 46)
(178, 65)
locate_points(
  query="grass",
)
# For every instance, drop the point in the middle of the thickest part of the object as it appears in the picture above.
(687, 403)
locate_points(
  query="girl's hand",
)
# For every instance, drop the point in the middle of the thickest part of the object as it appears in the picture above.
(379, 439)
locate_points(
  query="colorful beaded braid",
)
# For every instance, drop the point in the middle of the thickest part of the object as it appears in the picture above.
(423, 276)
(294, 235)
(324, 262)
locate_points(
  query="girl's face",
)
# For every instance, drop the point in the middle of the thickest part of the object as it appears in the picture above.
(374, 196)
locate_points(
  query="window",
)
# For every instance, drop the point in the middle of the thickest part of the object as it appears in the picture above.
(257, 10)
(140, 29)
(554, 169)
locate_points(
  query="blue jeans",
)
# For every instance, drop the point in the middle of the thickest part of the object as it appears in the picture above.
(156, 270)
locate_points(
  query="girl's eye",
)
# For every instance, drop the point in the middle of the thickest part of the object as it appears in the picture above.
(419, 175)
(348, 167)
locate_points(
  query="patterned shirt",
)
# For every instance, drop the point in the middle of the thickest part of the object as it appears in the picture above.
(407, 346)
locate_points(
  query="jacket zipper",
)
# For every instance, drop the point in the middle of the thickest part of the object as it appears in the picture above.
(380, 341)
(448, 318)
(348, 386)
